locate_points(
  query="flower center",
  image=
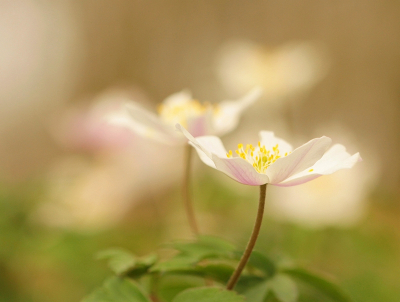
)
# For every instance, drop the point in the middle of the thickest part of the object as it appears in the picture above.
(259, 157)
(182, 112)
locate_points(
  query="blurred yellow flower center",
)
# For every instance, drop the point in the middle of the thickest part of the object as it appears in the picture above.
(259, 157)
(182, 112)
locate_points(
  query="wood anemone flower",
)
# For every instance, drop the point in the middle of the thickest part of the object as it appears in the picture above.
(199, 118)
(273, 161)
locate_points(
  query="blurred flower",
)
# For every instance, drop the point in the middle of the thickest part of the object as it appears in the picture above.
(97, 194)
(84, 127)
(273, 160)
(199, 119)
(286, 70)
(91, 193)
(339, 199)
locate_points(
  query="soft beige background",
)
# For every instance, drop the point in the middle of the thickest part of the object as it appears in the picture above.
(55, 53)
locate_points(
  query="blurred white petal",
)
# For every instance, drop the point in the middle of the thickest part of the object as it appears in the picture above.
(339, 199)
(281, 72)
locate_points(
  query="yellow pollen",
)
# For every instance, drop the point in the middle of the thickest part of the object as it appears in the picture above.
(259, 157)
(181, 111)
(310, 170)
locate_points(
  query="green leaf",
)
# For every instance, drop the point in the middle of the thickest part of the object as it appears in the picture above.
(177, 264)
(122, 262)
(218, 271)
(281, 287)
(142, 266)
(271, 298)
(208, 294)
(117, 289)
(247, 281)
(257, 293)
(205, 247)
(325, 286)
(263, 263)
(119, 260)
(172, 285)
(284, 288)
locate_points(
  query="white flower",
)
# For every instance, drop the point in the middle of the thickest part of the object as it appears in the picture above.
(283, 71)
(320, 204)
(273, 160)
(199, 119)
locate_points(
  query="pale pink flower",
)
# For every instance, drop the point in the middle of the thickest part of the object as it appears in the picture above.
(200, 119)
(273, 161)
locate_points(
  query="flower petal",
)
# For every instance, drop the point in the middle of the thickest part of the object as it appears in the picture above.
(268, 139)
(178, 98)
(213, 153)
(211, 143)
(192, 140)
(149, 125)
(227, 117)
(240, 170)
(334, 159)
(300, 159)
(203, 153)
(202, 124)
(203, 156)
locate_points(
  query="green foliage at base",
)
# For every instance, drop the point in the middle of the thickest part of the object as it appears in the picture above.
(199, 271)
(117, 290)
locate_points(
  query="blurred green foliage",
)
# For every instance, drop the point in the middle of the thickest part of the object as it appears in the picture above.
(44, 264)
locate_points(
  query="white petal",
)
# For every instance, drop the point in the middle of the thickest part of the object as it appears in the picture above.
(213, 153)
(334, 159)
(203, 156)
(178, 98)
(211, 143)
(300, 159)
(229, 112)
(149, 125)
(268, 139)
(192, 140)
(240, 170)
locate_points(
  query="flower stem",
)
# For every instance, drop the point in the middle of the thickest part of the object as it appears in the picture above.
(256, 230)
(186, 192)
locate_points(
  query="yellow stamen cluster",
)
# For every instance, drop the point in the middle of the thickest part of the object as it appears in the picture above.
(259, 157)
(180, 113)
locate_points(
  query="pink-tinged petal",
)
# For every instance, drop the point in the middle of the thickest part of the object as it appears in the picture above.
(201, 125)
(300, 159)
(268, 139)
(192, 140)
(147, 124)
(240, 170)
(197, 126)
(213, 153)
(336, 158)
(203, 153)
(227, 117)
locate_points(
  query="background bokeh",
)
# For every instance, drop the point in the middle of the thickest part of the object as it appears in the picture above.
(71, 185)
